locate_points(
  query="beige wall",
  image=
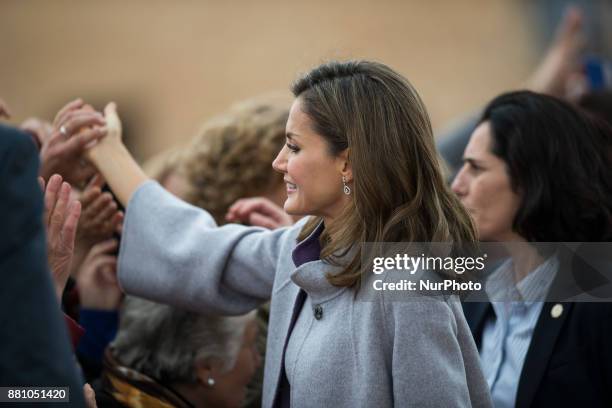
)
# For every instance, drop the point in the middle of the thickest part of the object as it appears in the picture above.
(172, 64)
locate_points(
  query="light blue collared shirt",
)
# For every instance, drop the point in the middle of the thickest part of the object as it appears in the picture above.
(506, 337)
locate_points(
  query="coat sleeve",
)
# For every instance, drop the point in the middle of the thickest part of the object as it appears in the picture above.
(428, 363)
(174, 253)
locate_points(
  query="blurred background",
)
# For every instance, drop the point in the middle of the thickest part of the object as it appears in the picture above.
(172, 65)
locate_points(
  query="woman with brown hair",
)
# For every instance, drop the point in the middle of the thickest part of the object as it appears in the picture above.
(360, 159)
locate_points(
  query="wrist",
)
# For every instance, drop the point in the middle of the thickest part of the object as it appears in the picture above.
(105, 151)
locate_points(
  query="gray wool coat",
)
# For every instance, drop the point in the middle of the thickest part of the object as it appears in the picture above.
(341, 352)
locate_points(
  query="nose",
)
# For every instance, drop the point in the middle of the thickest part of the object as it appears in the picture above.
(280, 162)
(459, 185)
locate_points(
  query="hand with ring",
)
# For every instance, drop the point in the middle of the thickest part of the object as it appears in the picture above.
(76, 126)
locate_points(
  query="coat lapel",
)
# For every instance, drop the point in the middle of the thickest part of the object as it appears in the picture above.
(540, 350)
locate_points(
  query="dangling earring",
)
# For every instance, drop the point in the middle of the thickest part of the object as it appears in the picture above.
(210, 382)
(345, 187)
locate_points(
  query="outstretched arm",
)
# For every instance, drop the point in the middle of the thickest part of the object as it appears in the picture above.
(114, 161)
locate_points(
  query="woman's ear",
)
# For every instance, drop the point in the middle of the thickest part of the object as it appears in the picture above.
(207, 372)
(344, 165)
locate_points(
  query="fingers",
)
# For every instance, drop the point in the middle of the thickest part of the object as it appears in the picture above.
(242, 209)
(70, 225)
(56, 220)
(53, 187)
(106, 213)
(90, 396)
(41, 181)
(96, 181)
(78, 119)
(76, 144)
(112, 120)
(260, 220)
(104, 247)
(70, 106)
(98, 205)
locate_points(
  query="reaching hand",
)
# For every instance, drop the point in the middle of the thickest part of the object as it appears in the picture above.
(75, 127)
(97, 280)
(561, 64)
(258, 211)
(61, 219)
(100, 218)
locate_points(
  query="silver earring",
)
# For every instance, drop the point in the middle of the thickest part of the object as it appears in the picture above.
(210, 381)
(345, 187)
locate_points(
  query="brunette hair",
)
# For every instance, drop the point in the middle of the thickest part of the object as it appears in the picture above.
(399, 194)
(558, 159)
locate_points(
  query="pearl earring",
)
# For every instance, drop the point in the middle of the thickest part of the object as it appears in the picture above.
(210, 381)
(345, 187)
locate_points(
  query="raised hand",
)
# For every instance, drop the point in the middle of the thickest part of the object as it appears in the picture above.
(61, 219)
(100, 218)
(561, 63)
(76, 126)
(258, 211)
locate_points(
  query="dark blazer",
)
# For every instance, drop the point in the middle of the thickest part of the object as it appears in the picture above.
(569, 360)
(35, 350)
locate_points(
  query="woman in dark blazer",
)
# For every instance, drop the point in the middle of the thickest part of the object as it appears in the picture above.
(537, 170)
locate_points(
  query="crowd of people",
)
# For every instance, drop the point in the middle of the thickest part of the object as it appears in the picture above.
(226, 272)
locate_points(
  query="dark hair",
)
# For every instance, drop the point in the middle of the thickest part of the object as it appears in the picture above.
(557, 159)
(399, 194)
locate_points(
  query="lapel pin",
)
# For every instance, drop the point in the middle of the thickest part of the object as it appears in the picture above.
(556, 310)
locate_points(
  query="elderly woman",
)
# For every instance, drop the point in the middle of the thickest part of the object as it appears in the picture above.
(169, 357)
(537, 170)
(360, 162)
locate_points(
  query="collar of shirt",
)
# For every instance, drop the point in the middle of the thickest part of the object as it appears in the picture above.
(500, 286)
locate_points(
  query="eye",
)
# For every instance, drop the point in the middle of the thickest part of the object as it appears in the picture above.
(292, 147)
(474, 167)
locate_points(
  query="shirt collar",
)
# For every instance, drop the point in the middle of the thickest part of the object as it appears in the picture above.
(532, 288)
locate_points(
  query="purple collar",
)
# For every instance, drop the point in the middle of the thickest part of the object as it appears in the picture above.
(309, 249)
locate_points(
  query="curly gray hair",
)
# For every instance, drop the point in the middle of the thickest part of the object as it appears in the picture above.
(164, 342)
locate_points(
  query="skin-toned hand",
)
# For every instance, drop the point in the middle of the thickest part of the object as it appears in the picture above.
(39, 128)
(97, 278)
(561, 67)
(90, 396)
(114, 161)
(258, 211)
(100, 218)
(61, 219)
(75, 127)
(4, 110)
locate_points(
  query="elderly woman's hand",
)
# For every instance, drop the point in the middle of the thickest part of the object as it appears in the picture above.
(97, 280)
(61, 219)
(260, 212)
(75, 127)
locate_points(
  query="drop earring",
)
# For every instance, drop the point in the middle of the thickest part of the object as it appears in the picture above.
(345, 187)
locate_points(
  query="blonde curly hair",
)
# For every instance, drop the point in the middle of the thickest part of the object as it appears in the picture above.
(231, 158)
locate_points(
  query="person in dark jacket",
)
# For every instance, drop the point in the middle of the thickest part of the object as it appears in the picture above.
(35, 348)
(538, 170)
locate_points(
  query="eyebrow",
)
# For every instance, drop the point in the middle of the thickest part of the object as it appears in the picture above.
(472, 161)
(290, 135)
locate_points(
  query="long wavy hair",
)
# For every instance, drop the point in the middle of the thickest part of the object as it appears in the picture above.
(399, 194)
